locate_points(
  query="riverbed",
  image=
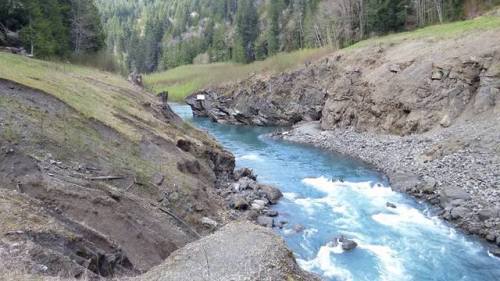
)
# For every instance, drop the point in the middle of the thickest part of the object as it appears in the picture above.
(332, 195)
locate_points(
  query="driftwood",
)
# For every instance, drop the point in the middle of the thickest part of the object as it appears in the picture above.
(180, 220)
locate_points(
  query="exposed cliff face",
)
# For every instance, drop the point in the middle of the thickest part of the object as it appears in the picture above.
(413, 87)
(279, 100)
(410, 87)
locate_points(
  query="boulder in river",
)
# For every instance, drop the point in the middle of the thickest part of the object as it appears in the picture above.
(298, 228)
(271, 193)
(346, 244)
(390, 205)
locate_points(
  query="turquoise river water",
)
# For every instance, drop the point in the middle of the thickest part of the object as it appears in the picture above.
(405, 243)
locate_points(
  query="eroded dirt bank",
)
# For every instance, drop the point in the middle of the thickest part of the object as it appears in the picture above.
(78, 198)
(424, 111)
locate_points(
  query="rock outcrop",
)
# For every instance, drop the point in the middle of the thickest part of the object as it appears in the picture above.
(238, 251)
(280, 100)
(405, 88)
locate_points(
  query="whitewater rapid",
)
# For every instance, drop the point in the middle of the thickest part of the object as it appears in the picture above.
(329, 195)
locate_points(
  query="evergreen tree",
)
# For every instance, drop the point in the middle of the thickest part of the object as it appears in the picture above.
(247, 31)
(86, 30)
(387, 15)
(275, 7)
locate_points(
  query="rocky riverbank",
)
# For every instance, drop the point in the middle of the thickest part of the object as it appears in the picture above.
(426, 112)
(455, 169)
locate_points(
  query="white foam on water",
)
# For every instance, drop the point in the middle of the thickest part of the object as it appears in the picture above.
(323, 262)
(391, 268)
(377, 193)
(337, 249)
(309, 232)
(290, 196)
(250, 157)
(493, 256)
(308, 204)
(404, 215)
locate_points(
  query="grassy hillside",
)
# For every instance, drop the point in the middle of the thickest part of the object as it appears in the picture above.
(183, 80)
(64, 128)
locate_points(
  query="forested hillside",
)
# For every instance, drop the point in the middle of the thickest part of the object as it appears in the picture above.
(51, 28)
(149, 35)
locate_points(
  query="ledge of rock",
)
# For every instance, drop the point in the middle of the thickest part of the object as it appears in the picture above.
(238, 251)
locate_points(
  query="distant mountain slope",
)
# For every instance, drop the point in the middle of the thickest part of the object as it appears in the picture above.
(157, 35)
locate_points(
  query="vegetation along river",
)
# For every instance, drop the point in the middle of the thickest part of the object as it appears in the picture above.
(331, 195)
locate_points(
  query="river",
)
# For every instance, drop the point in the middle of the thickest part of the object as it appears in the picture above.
(331, 195)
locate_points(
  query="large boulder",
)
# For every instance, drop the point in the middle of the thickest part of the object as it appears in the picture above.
(271, 193)
(450, 194)
(239, 251)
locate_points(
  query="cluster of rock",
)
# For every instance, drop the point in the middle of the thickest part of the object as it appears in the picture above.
(251, 198)
(426, 113)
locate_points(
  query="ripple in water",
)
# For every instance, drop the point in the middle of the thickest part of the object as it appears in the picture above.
(330, 195)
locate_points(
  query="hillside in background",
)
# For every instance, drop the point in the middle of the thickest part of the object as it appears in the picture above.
(51, 28)
(156, 35)
(184, 80)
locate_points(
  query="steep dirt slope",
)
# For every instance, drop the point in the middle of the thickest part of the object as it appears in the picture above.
(97, 177)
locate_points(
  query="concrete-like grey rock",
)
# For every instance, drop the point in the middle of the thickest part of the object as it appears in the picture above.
(485, 214)
(451, 193)
(272, 194)
(238, 251)
(158, 179)
(258, 205)
(265, 221)
(428, 185)
(459, 212)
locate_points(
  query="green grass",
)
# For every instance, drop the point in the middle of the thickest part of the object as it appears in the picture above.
(440, 31)
(184, 80)
(95, 94)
